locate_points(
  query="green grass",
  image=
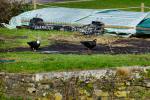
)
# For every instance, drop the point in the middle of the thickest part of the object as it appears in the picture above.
(102, 4)
(32, 62)
(12, 39)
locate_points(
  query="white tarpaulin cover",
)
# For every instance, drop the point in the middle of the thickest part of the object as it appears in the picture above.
(86, 16)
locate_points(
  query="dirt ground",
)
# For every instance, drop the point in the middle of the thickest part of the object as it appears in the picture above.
(120, 46)
(104, 46)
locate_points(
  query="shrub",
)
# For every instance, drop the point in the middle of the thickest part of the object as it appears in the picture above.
(123, 72)
(9, 9)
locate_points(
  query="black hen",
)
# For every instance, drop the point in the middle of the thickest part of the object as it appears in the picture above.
(89, 44)
(34, 44)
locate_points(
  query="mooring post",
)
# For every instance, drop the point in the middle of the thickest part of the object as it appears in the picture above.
(34, 4)
(142, 7)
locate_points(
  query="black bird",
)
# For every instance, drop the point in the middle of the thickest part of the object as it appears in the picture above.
(34, 45)
(89, 44)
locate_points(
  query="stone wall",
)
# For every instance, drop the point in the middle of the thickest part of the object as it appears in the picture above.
(107, 84)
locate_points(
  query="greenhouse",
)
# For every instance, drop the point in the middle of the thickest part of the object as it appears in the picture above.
(116, 21)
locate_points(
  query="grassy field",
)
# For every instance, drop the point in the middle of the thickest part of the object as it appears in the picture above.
(30, 62)
(102, 4)
(19, 38)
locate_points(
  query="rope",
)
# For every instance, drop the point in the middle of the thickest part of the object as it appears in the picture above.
(128, 8)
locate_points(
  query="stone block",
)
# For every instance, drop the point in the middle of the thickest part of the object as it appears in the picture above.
(121, 93)
(81, 91)
(31, 90)
(90, 98)
(83, 98)
(122, 88)
(101, 93)
(44, 98)
(128, 83)
(104, 98)
(58, 96)
(147, 83)
(31, 84)
(45, 87)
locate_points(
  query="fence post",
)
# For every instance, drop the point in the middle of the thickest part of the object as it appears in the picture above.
(34, 4)
(142, 7)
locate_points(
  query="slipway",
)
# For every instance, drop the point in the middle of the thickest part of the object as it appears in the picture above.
(116, 21)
